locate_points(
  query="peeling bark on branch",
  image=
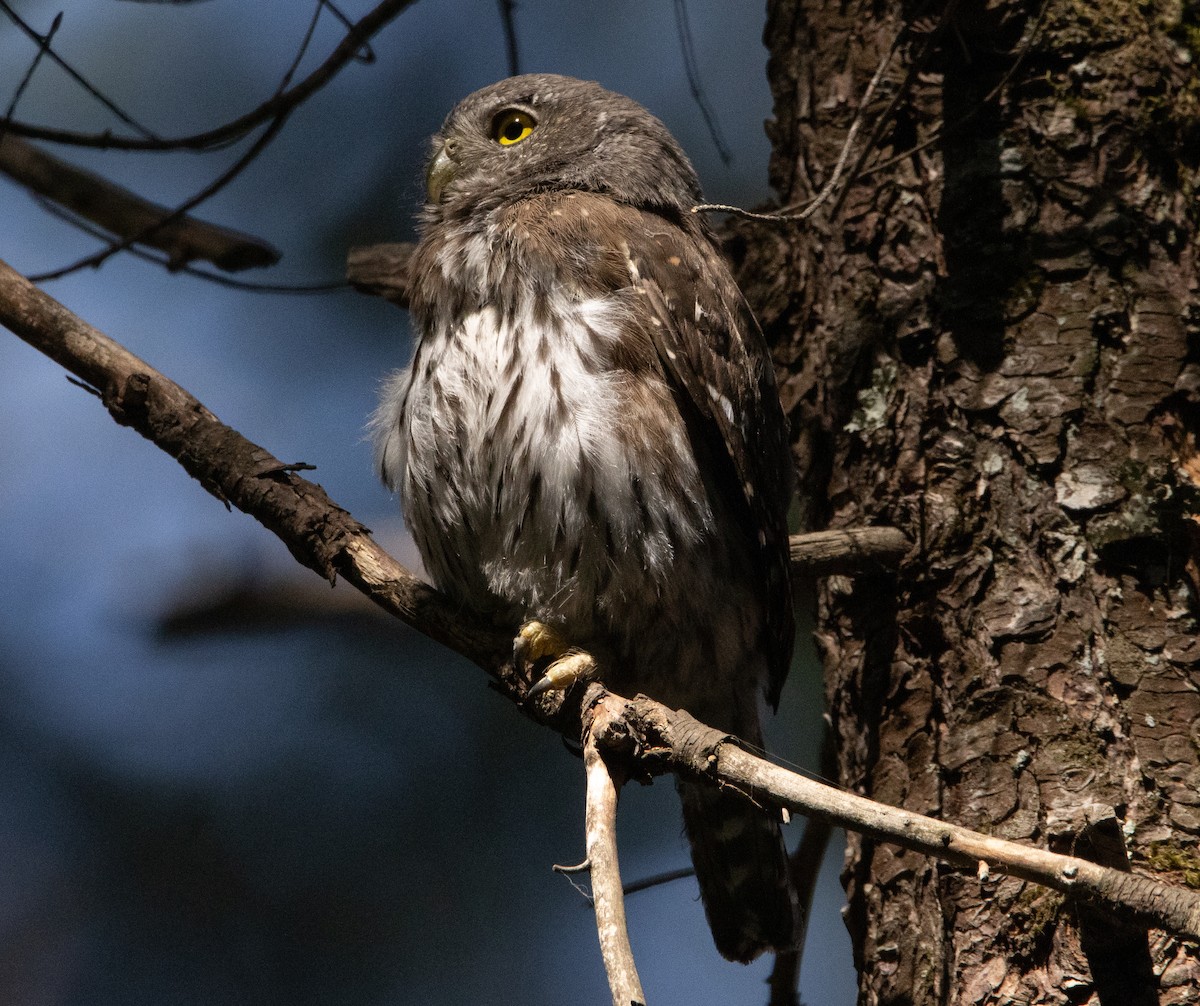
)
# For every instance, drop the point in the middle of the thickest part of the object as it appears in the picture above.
(659, 739)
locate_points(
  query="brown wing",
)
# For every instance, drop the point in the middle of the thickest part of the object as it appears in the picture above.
(713, 350)
(704, 339)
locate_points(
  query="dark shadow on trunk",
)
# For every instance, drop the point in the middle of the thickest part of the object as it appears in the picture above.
(1117, 953)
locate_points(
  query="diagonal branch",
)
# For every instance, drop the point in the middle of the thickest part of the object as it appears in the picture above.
(668, 740)
(320, 534)
(327, 539)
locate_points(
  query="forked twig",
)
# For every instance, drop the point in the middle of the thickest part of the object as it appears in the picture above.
(608, 898)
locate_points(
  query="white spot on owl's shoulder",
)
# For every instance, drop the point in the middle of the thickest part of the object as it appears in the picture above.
(722, 400)
(674, 260)
(699, 311)
(762, 538)
(631, 263)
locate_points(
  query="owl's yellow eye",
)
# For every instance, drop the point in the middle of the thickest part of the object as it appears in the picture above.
(512, 126)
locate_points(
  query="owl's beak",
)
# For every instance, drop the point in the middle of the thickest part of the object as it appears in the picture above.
(440, 173)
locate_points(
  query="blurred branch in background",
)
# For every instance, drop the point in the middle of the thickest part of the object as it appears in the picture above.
(127, 215)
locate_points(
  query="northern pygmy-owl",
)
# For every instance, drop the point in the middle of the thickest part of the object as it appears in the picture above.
(589, 435)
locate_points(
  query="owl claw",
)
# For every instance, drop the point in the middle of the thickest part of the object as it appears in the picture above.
(564, 672)
(536, 642)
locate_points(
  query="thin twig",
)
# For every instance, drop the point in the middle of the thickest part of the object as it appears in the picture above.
(658, 879)
(148, 232)
(43, 48)
(917, 65)
(608, 899)
(43, 42)
(302, 289)
(301, 49)
(691, 69)
(805, 863)
(945, 130)
(508, 9)
(811, 207)
(348, 50)
(792, 214)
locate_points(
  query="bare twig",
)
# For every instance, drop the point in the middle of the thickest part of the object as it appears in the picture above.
(44, 46)
(808, 209)
(938, 132)
(915, 67)
(147, 233)
(317, 287)
(691, 69)
(127, 215)
(658, 879)
(854, 550)
(688, 747)
(792, 213)
(608, 899)
(508, 9)
(784, 981)
(327, 539)
(352, 43)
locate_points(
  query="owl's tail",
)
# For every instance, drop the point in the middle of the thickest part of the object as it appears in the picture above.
(742, 866)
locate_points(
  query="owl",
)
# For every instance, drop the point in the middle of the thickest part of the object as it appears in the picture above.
(589, 441)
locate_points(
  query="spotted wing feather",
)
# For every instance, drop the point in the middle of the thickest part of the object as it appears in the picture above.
(712, 348)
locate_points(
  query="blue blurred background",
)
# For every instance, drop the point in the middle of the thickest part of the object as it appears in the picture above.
(307, 803)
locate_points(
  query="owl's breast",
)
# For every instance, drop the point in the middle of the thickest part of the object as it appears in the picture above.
(540, 475)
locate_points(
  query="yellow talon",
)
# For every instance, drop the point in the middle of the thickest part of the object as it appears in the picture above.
(536, 641)
(564, 672)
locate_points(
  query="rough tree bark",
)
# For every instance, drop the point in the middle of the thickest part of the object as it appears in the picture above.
(992, 344)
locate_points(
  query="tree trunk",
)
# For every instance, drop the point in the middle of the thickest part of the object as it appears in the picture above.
(991, 343)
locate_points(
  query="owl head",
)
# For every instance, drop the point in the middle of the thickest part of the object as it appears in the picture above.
(541, 132)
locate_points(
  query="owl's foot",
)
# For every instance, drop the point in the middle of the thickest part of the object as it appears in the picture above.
(537, 642)
(564, 672)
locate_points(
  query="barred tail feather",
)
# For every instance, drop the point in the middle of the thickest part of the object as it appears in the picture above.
(742, 866)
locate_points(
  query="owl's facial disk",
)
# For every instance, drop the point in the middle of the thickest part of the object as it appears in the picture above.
(542, 132)
(467, 145)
